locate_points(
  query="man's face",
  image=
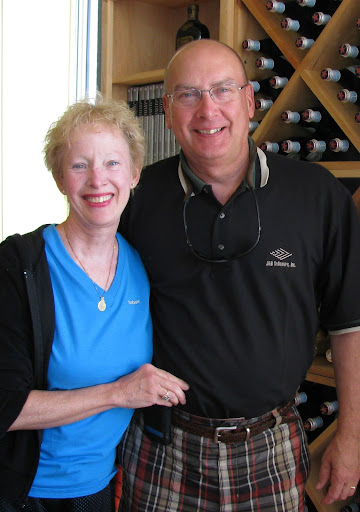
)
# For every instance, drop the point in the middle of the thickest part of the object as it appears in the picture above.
(209, 133)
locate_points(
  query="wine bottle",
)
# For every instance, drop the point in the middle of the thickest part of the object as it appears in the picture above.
(329, 5)
(347, 76)
(319, 119)
(304, 43)
(290, 117)
(312, 424)
(279, 64)
(347, 96)
(328, 408)
(270, 87)
(192, 29)
(320, 19)
(253, 125)
(344, 148)
(272, 147)
(275, 6)
(266, 46)
(347, 50)
(300, 398)
(263, 104)
(303, 25)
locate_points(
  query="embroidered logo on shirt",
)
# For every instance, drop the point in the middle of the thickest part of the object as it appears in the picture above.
(280, 255)
(134, 301)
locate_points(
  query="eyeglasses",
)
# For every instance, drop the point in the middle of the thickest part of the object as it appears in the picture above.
(203, 257)
(190, 97)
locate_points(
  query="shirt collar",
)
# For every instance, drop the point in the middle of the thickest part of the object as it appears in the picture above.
(256, 177)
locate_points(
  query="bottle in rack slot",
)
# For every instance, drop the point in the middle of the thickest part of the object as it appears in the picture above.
(328, 5)
(270, 87)
(311, 424)
(272, 147)
(348, 50)
(192, 29)
(266, 46)
(263, 104)
(347, 76)
(253, 125)
(279, 64)
(304, 43)
(328, 408)
(296, 148)
(300, 398)
(351, 82)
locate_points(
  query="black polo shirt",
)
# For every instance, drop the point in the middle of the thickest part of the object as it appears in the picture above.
(241, 332)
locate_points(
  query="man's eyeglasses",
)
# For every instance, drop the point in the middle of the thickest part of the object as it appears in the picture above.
(190, 97)
(239, 254)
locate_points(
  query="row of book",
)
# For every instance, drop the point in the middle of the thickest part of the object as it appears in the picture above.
(146, 101)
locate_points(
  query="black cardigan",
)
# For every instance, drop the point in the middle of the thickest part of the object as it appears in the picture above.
(26, 314)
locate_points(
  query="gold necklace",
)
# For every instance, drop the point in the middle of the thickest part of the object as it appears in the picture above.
(101, 304)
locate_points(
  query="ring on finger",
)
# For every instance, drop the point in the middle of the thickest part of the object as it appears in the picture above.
(166, 397)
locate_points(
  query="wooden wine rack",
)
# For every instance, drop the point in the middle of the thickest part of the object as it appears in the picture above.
(138, 39)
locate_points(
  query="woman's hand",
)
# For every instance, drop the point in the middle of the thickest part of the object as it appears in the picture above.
(147, 386)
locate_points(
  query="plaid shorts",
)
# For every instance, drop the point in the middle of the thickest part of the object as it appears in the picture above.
(193, 473)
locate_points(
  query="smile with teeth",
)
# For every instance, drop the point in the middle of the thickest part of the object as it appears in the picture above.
(210, 132)
(99, 199)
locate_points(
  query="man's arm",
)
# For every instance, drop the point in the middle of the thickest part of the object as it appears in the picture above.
(340, 465)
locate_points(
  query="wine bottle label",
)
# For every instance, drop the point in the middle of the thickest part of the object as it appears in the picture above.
(290, 117)
(331, 75)
(346, 96)
(275, 6)
(316, 146)
(319, 18)
(289, 24)
(339, 145)
(347, 50)
(304, 43)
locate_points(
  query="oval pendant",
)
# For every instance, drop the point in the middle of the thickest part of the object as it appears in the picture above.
(102, 304)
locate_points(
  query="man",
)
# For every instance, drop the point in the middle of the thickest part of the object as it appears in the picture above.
(241, 248)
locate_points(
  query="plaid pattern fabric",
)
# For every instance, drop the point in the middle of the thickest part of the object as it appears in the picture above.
(267, 473)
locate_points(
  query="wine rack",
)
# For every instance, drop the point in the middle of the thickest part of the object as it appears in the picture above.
(138, 39)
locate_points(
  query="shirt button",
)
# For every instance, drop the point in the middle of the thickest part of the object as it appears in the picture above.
(222, 215)
(221, 247)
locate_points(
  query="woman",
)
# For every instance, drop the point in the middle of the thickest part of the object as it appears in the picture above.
(76, 334)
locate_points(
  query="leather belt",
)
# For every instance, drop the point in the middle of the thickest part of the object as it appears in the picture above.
(236, 433)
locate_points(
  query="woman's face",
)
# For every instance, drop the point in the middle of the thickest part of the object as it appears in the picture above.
(97, 176)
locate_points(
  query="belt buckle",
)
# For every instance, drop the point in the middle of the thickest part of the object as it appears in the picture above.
(217, 433)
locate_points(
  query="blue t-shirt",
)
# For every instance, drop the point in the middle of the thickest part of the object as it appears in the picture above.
(91, 347)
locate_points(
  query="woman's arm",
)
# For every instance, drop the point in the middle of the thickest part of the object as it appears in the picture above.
(142, 388)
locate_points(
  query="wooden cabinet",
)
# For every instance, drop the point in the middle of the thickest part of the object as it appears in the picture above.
(138, 39)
